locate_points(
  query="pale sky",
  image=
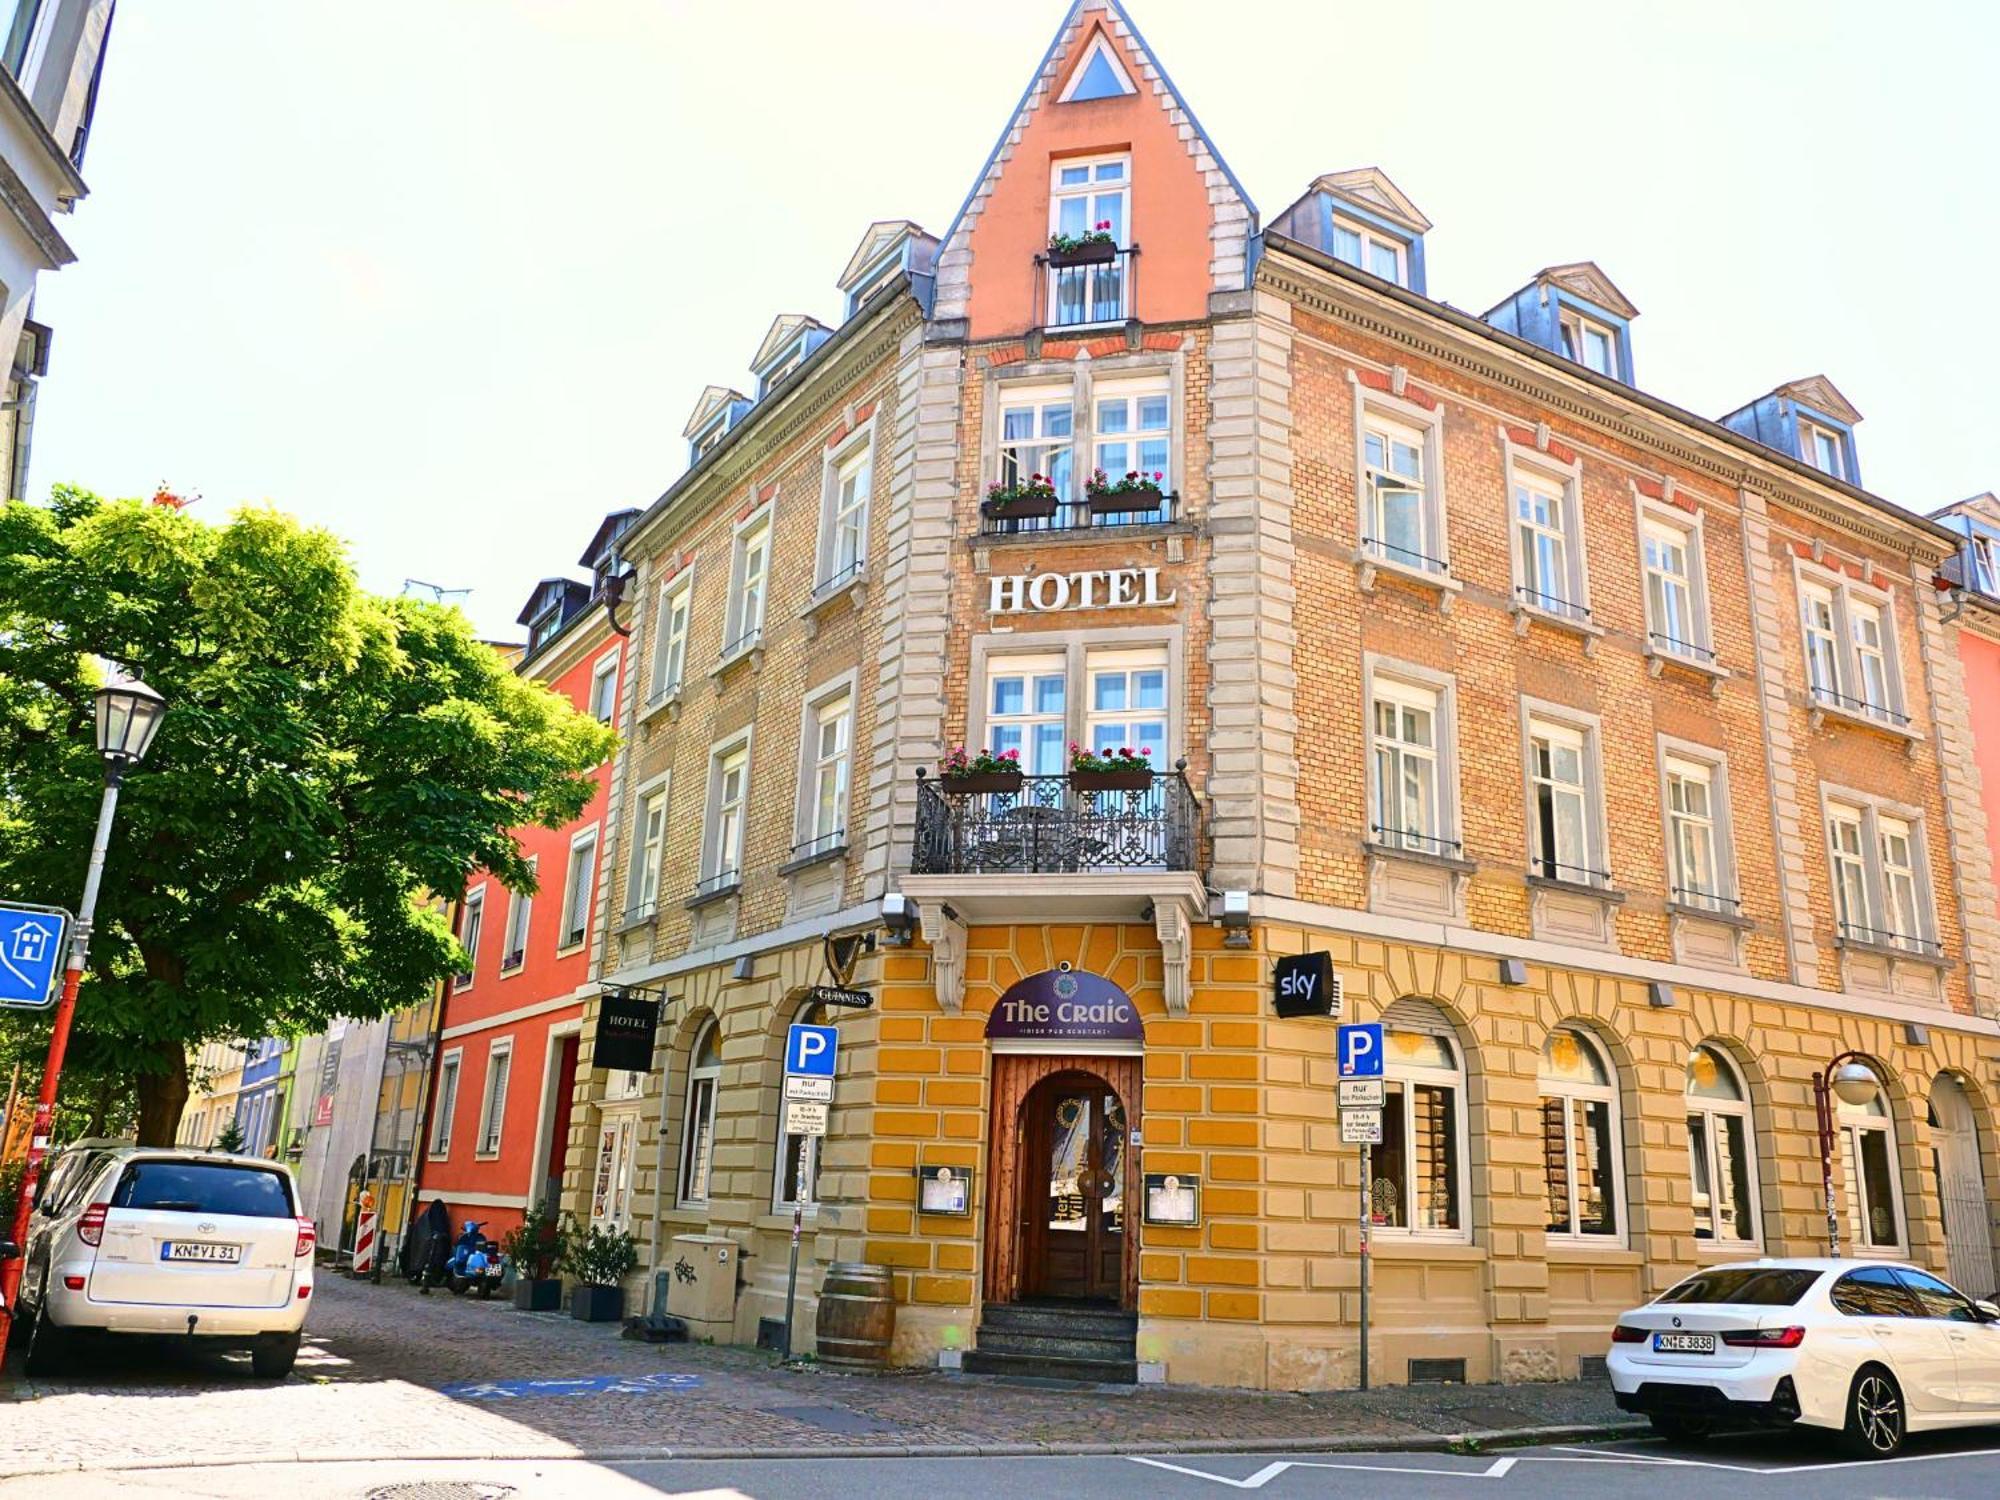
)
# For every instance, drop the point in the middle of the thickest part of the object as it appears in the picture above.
(448, 277)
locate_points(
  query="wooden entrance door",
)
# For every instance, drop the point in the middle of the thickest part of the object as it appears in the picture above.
(1065, 1180)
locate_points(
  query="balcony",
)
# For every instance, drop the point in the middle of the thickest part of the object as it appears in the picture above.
(1092, 289)
(1050, 828)
(1107, 513)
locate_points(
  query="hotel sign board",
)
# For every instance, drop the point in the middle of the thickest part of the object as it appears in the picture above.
(1092, 588)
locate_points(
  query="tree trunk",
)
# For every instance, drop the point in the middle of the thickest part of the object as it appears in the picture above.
(163, 1095)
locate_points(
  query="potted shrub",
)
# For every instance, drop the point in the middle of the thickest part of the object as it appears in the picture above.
(1120, 770)
(1134, 494)
(1030, 499)
(984, 772)
(598, 1260)
(533, 1247)
(1092, 247)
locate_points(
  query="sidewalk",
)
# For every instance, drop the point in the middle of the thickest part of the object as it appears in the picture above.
(390, 1374)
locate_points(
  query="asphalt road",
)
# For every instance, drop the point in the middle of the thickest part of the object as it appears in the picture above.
(1964, 1467)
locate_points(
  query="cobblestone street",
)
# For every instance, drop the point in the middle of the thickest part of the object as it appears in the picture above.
(389, 1373)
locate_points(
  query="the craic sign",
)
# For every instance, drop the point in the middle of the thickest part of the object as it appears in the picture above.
(1093, 588)
(1065, 1005)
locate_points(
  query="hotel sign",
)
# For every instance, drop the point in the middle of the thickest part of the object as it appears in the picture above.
(1093, 588)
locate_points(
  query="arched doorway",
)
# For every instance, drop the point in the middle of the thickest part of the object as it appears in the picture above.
(1961, 1188)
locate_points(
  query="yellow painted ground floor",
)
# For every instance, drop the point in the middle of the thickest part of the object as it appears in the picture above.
(1552, 1151)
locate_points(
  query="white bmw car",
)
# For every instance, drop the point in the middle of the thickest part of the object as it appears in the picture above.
(1871, 1350)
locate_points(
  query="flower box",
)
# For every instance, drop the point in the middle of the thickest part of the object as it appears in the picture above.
(1089, 253)
(1024, 508)
(983, 781)
(1112, 781)
(1127, 502)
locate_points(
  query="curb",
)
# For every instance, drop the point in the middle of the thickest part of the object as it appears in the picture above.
(1347, 1442)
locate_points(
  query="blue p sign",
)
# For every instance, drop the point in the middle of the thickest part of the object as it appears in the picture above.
(1361, 1050)
(810, 1050)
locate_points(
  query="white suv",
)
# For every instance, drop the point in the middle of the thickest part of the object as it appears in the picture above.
(159, 1240)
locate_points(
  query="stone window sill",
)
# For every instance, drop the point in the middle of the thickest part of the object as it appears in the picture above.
(1371, 566)
(751, 651)
(854, 586)
(1818, 711)
(1693, 913)
(1607, 894)
(1659, 662)
(709, 898)
(1524, 613)
(1376, 850)
(1892, 951)
(668, 703)
(818, 857)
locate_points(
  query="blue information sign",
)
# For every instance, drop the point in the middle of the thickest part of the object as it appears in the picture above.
(31, 954)
(810, 1050)
(1361, 1050)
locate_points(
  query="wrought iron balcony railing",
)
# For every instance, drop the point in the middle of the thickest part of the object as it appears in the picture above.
(1076, 292)
(1132, 509)
(1050, 826)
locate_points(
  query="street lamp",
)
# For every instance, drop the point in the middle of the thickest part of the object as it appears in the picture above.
(128, 716)
(1853, 1078)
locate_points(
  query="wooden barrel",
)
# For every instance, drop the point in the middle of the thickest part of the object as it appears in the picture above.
(857, 1316)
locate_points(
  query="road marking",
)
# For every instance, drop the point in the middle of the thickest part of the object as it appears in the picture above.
(1585, 1455)
(1255, 1482)
(1495, 1470)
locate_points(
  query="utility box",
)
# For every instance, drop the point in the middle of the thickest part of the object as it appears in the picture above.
(701, 1289)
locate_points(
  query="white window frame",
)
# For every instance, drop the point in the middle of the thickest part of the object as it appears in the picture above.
(1810, 432)
(829, 700)
(1371, 239)
(1028, 666)
(451, 1068)
(1869, 814)
(1557, 721)
(1411, 1076)
(1678, 758)
(520, 923)
(1714, 1111)
(1538, 473)
(1851, 1123)
(583, 839)
(1573, 1093)
(493, 1100)
(1132, 389)
(854, 458)
(604, 670)
(1409, 685)
(1576, 327)
(716, 860)
(1387, 414)
(472, 919)
(1116, 271)
(747, 610)
(703, 1085)
(645, 865)
(670, 636)
(1010, 467)
(1659, 522)
(1125, 661)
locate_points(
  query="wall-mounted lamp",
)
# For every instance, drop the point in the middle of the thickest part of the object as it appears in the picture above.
(900, 919)
(1513, 971)
(1916, 1033)
(1235, 919)
(1660, 996)
(746, 967)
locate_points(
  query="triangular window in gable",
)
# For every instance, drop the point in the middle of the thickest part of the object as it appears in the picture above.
(1100, 76)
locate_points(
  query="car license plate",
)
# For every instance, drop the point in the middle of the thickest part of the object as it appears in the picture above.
(201, 1250)
(1684, 1343)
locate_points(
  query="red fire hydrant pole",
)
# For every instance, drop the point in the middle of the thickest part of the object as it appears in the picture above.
(45, 1101)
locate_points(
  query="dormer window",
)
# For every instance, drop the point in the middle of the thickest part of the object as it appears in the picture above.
(544, 627)
(874, 278)
(792, 359)
(1369, 249)
(709, 441)
(1820, 447)
(1590, 343)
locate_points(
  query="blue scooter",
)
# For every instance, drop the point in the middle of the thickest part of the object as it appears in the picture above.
(475, 1262)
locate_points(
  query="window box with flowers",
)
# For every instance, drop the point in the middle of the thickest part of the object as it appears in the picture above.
(984, 772)
(1093, 247)
(1030, 499)
(1134, 494)
(1120, 770)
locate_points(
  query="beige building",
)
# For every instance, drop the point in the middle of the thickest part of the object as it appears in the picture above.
(1617, 758)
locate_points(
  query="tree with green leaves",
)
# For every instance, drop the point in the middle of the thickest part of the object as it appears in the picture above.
(330, 765)
(230, 1137)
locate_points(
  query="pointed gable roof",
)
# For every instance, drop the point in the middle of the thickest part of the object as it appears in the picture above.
(1821, 395)
(608, 531)
(1586, 279)
(1370, 188)
(714, 398)
(1098, 74)
(784, 329)
(875, 244)
(1235, 213)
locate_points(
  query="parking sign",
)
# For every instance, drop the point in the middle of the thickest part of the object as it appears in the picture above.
(810, 1050)
(1361, 1050)
(31, 954)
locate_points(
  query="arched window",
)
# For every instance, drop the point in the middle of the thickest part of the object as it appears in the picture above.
(698, 1133)
(1418, 1175)
(1725, 1175)
(1868, 1156)
(797, 1179)
(1580, 1140)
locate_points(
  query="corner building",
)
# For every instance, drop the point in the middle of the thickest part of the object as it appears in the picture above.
(1618, 757)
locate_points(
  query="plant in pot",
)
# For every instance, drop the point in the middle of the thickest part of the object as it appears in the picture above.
(1093, 246)
(1134, 494)
(598, 1260)
(1120, 770)
(985, 771)
(1030, 499)
(533, 1248)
